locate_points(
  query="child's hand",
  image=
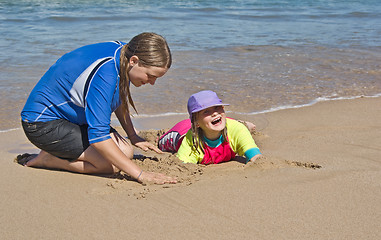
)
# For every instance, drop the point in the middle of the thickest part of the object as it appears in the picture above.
(253, 159)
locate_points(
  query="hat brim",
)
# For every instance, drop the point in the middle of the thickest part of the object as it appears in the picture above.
(203, 108)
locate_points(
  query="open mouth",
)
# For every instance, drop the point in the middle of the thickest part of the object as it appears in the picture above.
(216, 121)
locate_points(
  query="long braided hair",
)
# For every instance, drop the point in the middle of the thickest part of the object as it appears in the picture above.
(152, 51)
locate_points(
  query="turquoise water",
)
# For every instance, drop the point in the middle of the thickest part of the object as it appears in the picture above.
(258, 55)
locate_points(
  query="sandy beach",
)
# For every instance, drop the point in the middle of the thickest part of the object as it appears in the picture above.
(320, 179)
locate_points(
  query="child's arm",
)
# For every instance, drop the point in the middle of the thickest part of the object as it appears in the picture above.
(241, 140)
(252, 154)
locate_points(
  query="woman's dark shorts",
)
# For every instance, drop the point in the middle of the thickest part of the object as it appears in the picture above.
(60, 138)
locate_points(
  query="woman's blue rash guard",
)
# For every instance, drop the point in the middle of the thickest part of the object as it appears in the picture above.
(81, 87)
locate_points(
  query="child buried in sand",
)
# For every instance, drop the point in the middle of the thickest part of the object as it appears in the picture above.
(208, 137)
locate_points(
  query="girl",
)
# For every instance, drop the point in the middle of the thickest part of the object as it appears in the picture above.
(68, 113)
(209, 137)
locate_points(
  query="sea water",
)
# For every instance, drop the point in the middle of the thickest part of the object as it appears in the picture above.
(258, 55)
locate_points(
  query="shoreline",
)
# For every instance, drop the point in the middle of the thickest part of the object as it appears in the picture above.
(321, 177)
(147, 122)
(143, 121)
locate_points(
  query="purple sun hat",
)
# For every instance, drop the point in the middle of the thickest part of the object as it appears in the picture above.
(203, 100)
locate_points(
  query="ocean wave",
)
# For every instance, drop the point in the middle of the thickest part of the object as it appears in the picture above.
(320, 99)
(84, 18)
(167, 114)
(274, 109)
(114, 120)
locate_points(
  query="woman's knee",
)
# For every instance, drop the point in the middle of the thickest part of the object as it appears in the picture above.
(124, 145)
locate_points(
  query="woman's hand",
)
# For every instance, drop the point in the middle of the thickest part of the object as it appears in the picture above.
(156, 178)
(143, 144)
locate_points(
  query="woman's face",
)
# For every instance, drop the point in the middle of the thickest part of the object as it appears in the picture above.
(140, 75)
(212, 121)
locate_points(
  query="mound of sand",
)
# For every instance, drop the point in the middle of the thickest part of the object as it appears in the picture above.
(189, 173)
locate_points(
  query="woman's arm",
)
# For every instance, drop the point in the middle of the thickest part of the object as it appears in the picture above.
(126, 122)
(110, 151)
(128, 127)
(143, 176)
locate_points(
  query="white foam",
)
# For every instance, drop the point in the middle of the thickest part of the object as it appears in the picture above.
(169, 114)
(9, 130)
(320, 99)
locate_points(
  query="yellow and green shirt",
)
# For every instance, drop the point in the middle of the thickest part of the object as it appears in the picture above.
(240, 142)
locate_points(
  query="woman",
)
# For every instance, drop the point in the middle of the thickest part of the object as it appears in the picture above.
(68, 113)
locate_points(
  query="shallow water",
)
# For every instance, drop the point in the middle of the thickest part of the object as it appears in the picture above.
(257, 55)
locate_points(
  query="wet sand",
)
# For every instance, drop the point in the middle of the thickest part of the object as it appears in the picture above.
(320, 179)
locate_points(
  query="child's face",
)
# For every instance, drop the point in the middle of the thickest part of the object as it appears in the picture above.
(212, 121)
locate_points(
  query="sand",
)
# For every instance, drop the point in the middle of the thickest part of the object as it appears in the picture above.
(320, 179)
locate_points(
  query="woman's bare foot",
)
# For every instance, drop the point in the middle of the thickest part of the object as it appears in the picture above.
(23, 159)
(38, 160)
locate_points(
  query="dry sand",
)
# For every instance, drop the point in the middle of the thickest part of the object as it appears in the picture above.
(320, 179)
